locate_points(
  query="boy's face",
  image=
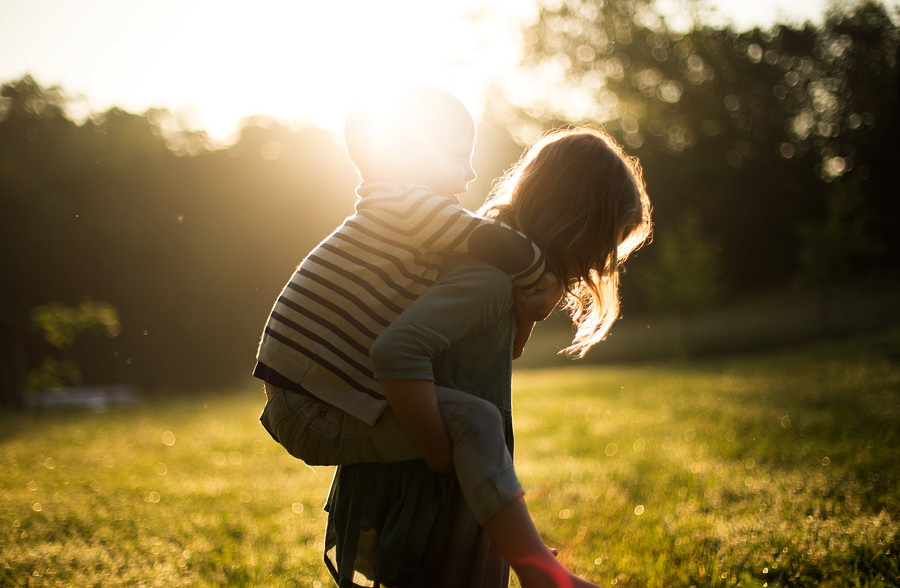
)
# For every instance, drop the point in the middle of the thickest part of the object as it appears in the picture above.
(451, 170)
(428, 142)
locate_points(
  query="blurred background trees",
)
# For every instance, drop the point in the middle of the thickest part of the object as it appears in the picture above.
(768, 154)
(753, 129)
(684, 277)
(61, 326)
(189, 245)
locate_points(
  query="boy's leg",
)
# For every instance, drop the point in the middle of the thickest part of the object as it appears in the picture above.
(482, 461)
(493, 492)
(321, 434)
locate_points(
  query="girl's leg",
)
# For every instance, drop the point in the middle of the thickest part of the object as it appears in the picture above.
(321, 434)
(513, 530)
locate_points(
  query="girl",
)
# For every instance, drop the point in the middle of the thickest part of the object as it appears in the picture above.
(583, 202)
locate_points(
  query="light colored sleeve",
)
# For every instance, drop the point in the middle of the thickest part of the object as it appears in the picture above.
(436, 224)
(464, 301)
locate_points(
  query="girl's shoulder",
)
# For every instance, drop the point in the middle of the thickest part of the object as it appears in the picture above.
(468, 271)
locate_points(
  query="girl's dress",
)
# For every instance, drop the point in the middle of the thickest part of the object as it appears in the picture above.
(400, 524)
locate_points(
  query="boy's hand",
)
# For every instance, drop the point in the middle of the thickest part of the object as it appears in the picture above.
(535, 307)
(538, 306)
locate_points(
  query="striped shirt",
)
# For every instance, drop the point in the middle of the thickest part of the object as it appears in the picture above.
(363, 275)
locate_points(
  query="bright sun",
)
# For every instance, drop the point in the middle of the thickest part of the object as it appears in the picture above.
(302, 60)
(295, 60)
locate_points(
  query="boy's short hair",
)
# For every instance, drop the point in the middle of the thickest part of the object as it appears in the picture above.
(403, 130)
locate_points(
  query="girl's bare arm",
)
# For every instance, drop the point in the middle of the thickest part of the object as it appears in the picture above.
(415, 404)
(531, 308)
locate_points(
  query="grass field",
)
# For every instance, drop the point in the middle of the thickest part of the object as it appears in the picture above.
(759, 471)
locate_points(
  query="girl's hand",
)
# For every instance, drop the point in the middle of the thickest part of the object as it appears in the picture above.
(523, 332)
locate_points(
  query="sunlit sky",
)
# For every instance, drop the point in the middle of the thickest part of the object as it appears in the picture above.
(217, 61)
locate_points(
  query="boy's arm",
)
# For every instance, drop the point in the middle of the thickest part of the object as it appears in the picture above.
(437, 224)
(508, 250)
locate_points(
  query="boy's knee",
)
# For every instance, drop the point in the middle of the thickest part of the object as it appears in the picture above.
(467, 414)
(486, 416)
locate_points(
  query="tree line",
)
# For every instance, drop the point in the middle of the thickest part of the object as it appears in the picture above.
(768, 154)
(777, 144)
(189, 245)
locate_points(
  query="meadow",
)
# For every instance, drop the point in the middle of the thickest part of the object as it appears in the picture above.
(764, 470)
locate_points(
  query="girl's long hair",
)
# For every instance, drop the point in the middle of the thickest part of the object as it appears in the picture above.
(583, 201)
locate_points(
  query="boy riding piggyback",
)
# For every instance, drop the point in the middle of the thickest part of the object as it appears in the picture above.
(325, 405)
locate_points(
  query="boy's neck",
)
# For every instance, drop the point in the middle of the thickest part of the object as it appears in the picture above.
(366, 188)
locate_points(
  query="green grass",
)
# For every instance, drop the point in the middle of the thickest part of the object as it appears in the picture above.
(778, 470)
(768, 470)
(190, 492)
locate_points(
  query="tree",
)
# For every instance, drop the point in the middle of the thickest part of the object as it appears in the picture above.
(61, 325)
(748, 127)
(190, 243)
(832, 248)
(683, 276)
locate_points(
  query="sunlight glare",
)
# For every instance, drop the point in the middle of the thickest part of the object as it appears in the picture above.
(304, 62)
(297, 61)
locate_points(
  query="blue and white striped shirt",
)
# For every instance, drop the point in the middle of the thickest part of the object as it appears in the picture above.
(362, 276)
